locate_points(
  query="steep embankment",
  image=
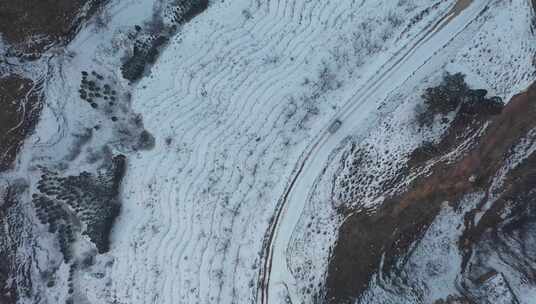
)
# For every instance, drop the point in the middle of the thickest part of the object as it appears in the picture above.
(493, 156)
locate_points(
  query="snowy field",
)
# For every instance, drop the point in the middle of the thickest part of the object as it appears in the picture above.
(235, 203)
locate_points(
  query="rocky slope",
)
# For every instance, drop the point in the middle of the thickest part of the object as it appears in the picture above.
(20, 103)
(32, 27)
(481, 169)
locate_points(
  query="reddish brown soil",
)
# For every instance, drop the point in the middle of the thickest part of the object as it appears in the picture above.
(520, 181)
(19, 108)
(402, 220)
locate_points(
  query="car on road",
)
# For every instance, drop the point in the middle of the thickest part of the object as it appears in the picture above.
(334, 126)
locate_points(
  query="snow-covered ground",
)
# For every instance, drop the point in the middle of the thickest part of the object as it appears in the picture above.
(239, 103)
(237, 97)
(434, 265)
(432, 52)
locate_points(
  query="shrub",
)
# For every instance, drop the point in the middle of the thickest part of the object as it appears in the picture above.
(454, 94)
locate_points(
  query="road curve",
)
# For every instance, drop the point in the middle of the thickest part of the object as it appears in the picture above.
(360, 111)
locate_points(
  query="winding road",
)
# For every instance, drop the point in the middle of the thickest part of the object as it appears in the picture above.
(418, 58)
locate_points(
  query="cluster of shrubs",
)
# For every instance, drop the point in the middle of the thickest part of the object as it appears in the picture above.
(87, 198)
(147, 47)
(454, 94)
(185, 10)
(50, 212)
(53, 214)
(92, 90)
(70, 283)
(145, 52)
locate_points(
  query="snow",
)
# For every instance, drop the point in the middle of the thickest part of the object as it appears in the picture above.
(430, 272)
(359, 115)
(500, 55)
(239, 103)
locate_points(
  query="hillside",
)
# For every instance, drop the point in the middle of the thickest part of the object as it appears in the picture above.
(279, 151)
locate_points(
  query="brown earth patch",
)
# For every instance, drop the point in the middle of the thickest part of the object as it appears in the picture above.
(32, 25)
(518, 185)
(366, 236)
(19, 109)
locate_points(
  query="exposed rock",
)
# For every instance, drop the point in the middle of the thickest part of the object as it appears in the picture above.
(20, 107)
(32, 26)
(14, 273)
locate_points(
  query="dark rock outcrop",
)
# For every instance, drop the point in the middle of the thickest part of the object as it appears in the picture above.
(14, 273)
(19, 109)
(31, 26)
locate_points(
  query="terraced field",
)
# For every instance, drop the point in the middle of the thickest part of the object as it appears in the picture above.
(240, 138)
(223, 114)
(236, 125)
